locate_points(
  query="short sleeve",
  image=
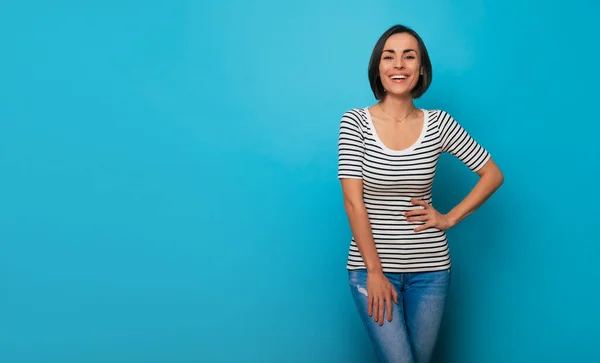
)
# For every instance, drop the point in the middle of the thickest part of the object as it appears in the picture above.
(350, 146)
(457, 141)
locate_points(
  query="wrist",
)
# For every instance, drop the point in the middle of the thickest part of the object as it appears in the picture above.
(452, 219)
(375, 269)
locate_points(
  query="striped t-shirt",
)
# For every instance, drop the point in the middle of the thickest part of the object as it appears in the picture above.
(391, 178)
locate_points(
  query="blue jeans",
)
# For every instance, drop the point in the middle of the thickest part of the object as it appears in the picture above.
(411, 335)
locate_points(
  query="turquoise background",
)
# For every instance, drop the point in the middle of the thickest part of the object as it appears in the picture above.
(168, 186)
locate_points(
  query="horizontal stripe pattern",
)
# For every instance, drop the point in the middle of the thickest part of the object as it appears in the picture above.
(391, 178)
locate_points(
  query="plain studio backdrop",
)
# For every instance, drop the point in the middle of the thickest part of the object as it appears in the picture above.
(168, 187)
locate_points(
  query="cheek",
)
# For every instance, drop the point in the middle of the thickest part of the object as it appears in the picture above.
(417, 77)
(385, 81)
(417, 72)
(382, 71)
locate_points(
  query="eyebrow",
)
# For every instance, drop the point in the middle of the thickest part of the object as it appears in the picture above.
(404, 51)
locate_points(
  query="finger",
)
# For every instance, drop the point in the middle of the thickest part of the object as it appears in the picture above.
(423, 227)
(416, 212)
(418, 218)
(389, 308)
(375, 308)
(381, 310)
(370, 304)
(395, 296)
(420, 202)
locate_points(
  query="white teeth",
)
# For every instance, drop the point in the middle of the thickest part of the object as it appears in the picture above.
(398, 77)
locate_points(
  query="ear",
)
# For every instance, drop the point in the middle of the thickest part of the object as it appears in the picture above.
(421, 71)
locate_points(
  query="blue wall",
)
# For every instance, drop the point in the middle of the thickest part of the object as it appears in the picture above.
(168, 186)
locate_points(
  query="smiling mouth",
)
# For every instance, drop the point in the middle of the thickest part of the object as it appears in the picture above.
(398, 78)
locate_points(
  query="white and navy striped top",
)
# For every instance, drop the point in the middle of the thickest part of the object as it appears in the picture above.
(391, 178)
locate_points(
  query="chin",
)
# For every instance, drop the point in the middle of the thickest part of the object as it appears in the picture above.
(399, 93)
(399, 89)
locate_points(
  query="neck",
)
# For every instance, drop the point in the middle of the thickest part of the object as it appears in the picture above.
(398, 107)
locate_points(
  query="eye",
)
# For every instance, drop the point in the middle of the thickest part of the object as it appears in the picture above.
(388, 57)
(410, 57)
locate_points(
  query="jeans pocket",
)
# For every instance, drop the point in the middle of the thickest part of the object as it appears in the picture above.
(357, 277)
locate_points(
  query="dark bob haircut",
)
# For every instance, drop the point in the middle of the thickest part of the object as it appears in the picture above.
(374, 78)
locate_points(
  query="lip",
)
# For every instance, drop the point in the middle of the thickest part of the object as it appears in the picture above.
(398, 80)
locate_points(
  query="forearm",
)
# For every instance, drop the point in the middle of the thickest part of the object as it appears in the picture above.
(363, 235)
(487, 184)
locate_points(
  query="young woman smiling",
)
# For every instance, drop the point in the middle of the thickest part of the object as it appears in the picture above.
(398, 260)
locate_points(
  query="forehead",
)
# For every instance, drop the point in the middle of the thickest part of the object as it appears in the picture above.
(401, 41)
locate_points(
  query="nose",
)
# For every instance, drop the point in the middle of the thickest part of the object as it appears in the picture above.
(399, 63)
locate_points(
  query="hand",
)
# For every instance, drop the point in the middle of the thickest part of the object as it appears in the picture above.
(429, 215)
(381, 293)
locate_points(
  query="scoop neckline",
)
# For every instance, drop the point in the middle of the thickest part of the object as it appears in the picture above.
(407, 150)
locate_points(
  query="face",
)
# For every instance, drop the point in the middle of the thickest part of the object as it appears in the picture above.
(400, 64)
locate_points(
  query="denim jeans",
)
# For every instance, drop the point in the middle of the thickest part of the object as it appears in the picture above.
(411, 335)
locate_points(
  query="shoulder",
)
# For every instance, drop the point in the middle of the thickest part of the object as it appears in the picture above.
(440, 118)
(437, 114)
(355, 118)
(357, 114)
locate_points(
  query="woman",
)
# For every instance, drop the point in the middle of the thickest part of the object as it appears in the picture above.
(398, 260)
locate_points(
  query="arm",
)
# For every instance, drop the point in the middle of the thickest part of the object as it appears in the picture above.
(457, 141)
(359, 223)
(380, 291)
(490, 179)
